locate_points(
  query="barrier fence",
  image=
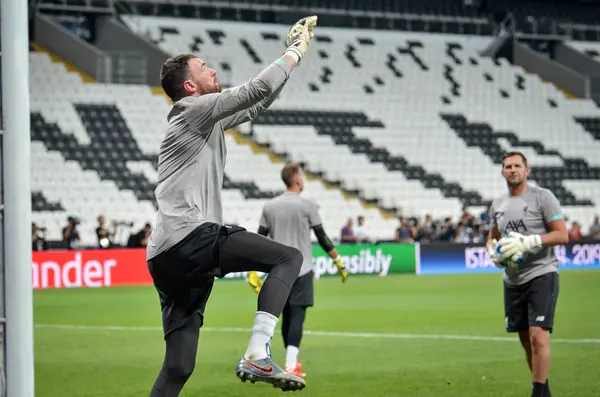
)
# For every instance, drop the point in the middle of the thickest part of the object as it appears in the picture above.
(121, 267)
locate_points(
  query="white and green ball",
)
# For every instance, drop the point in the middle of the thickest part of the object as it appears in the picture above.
(509, 262)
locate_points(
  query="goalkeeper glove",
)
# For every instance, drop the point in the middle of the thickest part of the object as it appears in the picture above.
(491, 250)
(299, 36)
(519, 244)
(255, 281)
(341, 268)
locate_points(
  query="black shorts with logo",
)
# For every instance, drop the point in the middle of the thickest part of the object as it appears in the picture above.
(184, 274)
(532, 304)
(303, 291)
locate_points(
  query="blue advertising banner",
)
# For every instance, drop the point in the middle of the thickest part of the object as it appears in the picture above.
(444, 258)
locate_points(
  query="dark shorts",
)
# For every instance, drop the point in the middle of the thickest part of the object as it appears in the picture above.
(184, 274)
(303, 291)
(532, 304)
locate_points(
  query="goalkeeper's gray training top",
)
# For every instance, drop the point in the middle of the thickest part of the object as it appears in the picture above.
(192, 155)
(530, 213)
(289, 218)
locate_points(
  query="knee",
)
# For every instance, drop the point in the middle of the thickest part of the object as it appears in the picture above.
(539, 338)
(179, 371)
(525, 339)
(294, 258)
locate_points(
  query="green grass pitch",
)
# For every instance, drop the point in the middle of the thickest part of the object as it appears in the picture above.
(373, 337)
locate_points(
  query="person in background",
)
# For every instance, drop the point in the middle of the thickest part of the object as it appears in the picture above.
(359, 231)
(533, 217)
(70, 233)
(288, 219)
(103, 234)
(347, 232)
(140, 239)
(595, 229)
(404, 232)
(466, 217)
(38, 243)
(448, 231)
(462, 233)
(575, 232)
(425, 231)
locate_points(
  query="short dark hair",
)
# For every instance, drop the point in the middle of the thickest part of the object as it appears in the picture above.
(510, 154)
(289, 172)
(172, 75)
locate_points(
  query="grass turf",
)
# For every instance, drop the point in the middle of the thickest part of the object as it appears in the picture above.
(113, 358)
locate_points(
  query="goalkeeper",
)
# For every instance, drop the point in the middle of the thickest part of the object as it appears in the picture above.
(288, 219)
(533, 218)
(190, 245)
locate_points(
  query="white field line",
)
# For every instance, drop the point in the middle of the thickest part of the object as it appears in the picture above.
(317, 333)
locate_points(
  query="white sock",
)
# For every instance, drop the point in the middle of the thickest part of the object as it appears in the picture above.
(291, 357)
(262, 332)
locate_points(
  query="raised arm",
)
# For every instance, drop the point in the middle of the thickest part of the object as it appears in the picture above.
(298, 40)
(252, 112)
(212, 108)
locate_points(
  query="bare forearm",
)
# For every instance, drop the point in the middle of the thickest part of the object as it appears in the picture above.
(290, 60)
(333, 253)
(555, 237)
(493, 234)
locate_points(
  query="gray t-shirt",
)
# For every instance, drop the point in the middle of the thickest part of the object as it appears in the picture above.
(192, 155)
(289, 218)
(530, 213)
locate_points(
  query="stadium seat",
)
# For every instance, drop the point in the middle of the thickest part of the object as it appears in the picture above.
(94, 152)
(369, 109)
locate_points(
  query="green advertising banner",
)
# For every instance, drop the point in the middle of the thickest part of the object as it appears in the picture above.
(376, 259)
(380, 259)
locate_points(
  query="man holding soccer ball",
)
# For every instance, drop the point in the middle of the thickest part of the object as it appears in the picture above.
(529, 222)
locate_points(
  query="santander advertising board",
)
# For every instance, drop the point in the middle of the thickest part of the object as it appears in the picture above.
(89, 268)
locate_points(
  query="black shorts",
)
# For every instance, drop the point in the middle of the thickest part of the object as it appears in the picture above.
(184, 274)
(532, 304)
(303, 291)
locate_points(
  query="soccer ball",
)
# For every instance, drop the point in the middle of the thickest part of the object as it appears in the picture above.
(509, 262)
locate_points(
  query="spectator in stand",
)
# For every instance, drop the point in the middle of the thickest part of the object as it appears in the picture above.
(425, 233)
(462, 233)
(404, 232)
(71, 234)
(448, 231)
(479, 233)
(140, 239)
(359, 231)
(347, 232)
(38, 243)
(595, 229)
(466, 217)
(575, 232)
(103, 234)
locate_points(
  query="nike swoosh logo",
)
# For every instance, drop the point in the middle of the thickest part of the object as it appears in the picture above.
(267, 370)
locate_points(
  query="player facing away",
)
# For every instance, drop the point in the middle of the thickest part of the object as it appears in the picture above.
(190, 245)
(532, 216)
(288, 219)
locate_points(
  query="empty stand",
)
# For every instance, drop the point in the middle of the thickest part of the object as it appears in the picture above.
(339, 125)
(549, 172)
(428, 7)
(94, 152)
(561, 11)
(591, 125)
(39, 203)
(369, 110)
